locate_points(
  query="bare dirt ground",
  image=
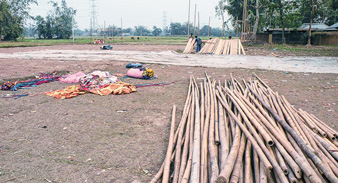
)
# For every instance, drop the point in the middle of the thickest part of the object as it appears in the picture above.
(93, 138)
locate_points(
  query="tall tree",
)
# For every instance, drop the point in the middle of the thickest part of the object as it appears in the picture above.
(256, 21)
(59, 22)
(314, 4)
(156, 31)
(13, 14)
(141, 31)
(220, 11)
(281, 17)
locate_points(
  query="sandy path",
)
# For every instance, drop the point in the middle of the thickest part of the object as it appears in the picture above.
(289, 64)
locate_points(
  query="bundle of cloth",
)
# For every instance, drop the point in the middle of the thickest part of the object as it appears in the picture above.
(97, 82)
(40, 79)
(141, 73)
(73, 78)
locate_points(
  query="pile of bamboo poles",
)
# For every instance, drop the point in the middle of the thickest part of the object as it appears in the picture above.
(218, 47)
(223, 47)
(246, 132)
(190, 46)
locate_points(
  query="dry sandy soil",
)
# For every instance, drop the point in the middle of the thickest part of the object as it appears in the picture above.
(93, 138)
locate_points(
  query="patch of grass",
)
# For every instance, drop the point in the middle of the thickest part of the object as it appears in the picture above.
(329, 50)
(30, 42)
(19, 44)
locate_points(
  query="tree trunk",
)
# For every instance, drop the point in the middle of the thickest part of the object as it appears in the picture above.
(281, 19)
(256, 22)
(222, 16)
(312, 13)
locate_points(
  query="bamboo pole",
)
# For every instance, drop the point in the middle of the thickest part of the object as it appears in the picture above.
(224, 143)
(187, 171)
(223, 177)
(185, 149)
(166, 170)
(248, 175)
(204, 156)
(330, 176)
(212, 148)
(243, 115)
(196, 158)
(235, 176)
(179, 143)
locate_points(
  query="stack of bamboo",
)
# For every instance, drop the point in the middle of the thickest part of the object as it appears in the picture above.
(246, 132)
(218, 47)
(190, 46)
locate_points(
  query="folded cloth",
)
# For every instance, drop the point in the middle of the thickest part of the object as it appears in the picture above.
(74, 78)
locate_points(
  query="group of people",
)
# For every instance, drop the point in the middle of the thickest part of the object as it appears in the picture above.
(98, 41)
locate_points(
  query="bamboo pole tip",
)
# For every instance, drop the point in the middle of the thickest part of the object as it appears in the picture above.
(221, 179)
(270, 143)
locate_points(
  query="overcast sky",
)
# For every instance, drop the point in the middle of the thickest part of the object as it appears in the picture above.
(137, 12)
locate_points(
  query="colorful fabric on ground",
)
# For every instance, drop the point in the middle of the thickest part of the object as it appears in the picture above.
(42, 78)
(15, 96)
(143, 73)
(14, 86)
(97, 80)
(74, 78)
(69, 92)
(116, 89)
(135, 73)
(75, 90)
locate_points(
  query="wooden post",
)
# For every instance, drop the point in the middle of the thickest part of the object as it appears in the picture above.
(121, 31)
(195, 20)
(209, 28)
(104, 31)
(189, 20)
(73, 27)
(237, 27)
(198, 24)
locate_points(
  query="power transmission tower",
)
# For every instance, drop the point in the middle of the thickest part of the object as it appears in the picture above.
(93, 16)
(164, 22)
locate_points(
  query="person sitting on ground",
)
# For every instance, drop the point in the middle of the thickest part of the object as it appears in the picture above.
(199, 43)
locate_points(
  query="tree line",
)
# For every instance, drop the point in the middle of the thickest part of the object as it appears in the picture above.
(14, 13)
(59, 23)
(263, 14)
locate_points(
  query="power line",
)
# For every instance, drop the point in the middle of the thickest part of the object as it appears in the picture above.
(93, 16)
(164, 21)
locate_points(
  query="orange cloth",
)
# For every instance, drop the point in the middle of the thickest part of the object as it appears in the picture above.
(75, 90)
(69, 92)
(116, 88)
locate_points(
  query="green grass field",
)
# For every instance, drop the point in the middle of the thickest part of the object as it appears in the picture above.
(28, 42)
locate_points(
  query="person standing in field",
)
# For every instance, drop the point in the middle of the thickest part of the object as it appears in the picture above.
(199, 43)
